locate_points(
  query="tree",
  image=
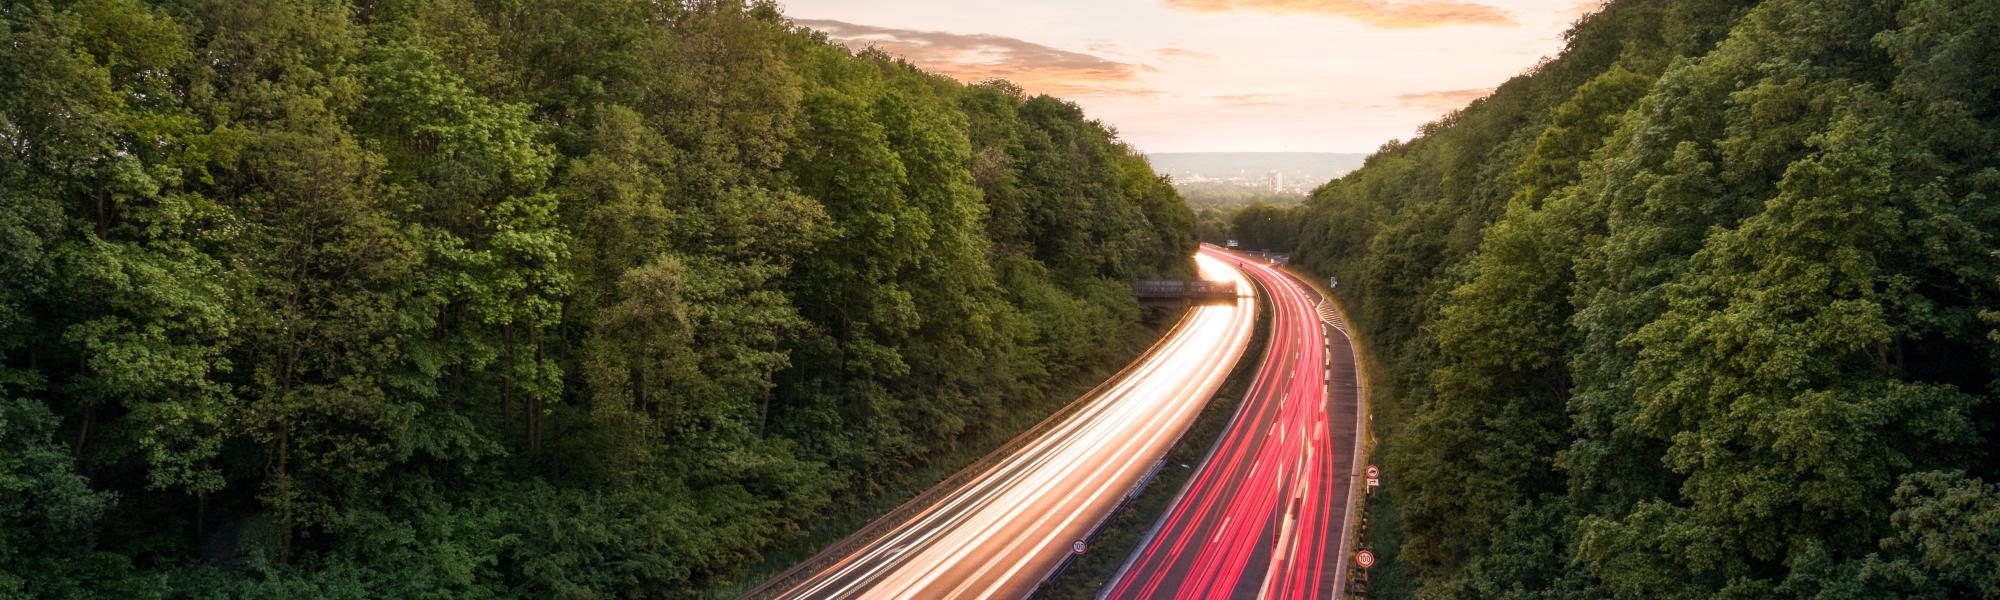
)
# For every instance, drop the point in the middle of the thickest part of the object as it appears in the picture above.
(1729, 301)
(331, 299)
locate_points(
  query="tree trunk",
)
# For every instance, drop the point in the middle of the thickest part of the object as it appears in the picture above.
(83, 430)
(507, 377)
(535, 397)
(285, 512)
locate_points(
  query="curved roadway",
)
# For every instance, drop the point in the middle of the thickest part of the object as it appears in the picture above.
(1007, 528)
(1265, 515)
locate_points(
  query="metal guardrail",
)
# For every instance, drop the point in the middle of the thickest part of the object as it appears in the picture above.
(1152, 532)
(882, 525)
(1146, 480)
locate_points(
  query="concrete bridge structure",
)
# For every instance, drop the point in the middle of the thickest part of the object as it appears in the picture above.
(1178, 291)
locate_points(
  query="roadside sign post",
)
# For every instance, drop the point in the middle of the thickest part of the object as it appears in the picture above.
(1332, 282)
(1374, 478)
(1078, 547)
(1364, 558)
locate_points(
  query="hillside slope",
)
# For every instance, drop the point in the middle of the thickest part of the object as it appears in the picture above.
(312, 298)
(1699, 308)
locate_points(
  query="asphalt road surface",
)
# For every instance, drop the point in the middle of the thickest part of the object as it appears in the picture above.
(1004, 530)
(1265, 515)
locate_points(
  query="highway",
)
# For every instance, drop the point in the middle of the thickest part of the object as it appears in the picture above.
(1265, 514)
(1002, 531)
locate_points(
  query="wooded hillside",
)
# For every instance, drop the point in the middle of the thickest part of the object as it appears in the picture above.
(526, 298)
(1700, 308)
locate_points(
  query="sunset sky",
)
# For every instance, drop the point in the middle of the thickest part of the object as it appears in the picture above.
(1222, 75)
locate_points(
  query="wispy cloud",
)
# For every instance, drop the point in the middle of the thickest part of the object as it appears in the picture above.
(1442, 100)
(976, 57)
(1172, 52)
(1400, 14)
(1245, 100)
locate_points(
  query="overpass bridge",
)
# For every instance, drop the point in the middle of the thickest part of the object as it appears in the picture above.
(1185, 291)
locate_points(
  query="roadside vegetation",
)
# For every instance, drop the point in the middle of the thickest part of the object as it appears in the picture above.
(469, 298)
(1701, 308)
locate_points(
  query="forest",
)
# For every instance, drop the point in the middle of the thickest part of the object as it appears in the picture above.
(1258, 226)
(514, 298)
(1703, 307)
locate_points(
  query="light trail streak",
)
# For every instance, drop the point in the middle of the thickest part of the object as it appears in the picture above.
(1257, 519)
(1004, 530)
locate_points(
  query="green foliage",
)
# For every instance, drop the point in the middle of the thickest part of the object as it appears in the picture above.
(1264, 227)
(475, 299)
(1946, 540)
(45, 507)
(1692, 310)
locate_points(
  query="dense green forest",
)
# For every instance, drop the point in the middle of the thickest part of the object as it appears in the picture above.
(542, 298)
(1258, 226)
(1702, 307)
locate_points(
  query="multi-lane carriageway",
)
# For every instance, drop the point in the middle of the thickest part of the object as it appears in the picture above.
(1263, 516)
(1004, 530)
(1266, 514)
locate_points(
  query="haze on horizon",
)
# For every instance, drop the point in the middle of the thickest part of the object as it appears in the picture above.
(1222, 75)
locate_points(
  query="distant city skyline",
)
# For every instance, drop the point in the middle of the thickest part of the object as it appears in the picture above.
(1223, 75)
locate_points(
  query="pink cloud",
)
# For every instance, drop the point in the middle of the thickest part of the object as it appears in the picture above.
(976, 57)
(1171, 52)
(1407, 14)
(1249, 100)
(1443, 100)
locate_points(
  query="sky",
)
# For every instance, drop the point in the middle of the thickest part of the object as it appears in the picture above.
(1222, 75)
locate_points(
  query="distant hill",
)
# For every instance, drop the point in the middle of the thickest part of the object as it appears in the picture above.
(1299, 172)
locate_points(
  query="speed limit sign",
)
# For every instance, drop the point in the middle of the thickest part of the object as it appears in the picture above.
(1364, 558)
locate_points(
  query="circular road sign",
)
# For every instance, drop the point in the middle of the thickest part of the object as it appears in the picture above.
(1077, 547)
(1364, 558)
(1374, 472)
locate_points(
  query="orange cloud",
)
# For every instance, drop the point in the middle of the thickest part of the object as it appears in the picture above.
(1245, 100)
(1171, 52)
(979, 57)
(1445, 100)
(1395, 14)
